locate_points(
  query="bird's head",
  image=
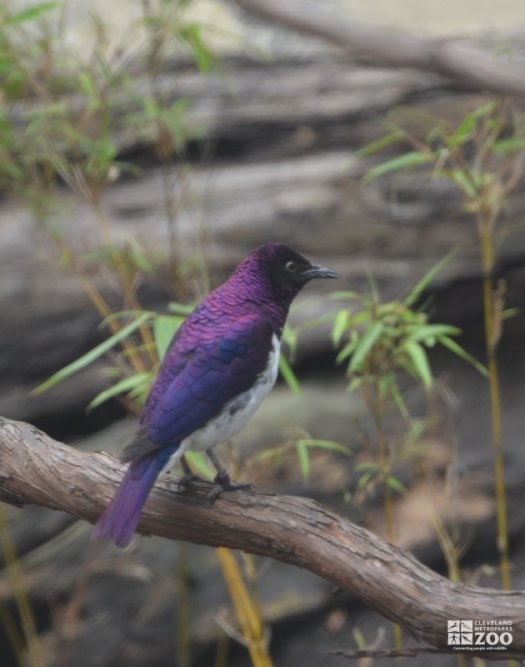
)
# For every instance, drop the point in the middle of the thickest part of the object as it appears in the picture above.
(283, 270)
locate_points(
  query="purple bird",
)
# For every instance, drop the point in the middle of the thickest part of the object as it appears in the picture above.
(218, 368)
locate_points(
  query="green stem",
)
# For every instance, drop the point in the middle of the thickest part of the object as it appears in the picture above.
(491, 336)
(384, 463)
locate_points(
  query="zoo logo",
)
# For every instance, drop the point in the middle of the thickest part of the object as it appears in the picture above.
(486, 635)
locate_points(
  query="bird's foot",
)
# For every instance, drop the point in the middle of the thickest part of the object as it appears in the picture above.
(187, 479)
(189, 476)
(223, 482)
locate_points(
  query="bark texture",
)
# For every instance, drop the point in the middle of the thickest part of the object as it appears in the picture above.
(36, 469)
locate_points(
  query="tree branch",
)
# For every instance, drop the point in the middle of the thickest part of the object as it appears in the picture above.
(395, 48)
(36, 469)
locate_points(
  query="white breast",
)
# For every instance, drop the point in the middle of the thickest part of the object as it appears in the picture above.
(235, 414)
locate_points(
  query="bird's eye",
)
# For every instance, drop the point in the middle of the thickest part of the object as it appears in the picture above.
(291, 267)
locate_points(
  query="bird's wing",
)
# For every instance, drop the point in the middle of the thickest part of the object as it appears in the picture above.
(214, 373)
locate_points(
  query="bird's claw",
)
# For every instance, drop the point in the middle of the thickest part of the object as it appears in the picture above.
(187, 479)
(223, 482)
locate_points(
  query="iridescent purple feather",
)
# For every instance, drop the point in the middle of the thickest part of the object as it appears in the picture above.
(121, 517)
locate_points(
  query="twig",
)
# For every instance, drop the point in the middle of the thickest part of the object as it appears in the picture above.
(395, 48)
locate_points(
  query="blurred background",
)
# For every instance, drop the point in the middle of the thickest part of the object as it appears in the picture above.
(145, 148)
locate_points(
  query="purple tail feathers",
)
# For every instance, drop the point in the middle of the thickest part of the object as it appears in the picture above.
(117, 524)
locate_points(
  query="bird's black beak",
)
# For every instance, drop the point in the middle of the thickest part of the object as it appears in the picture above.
(316, 271)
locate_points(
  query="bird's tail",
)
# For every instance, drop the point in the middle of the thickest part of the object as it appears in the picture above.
(117, 524)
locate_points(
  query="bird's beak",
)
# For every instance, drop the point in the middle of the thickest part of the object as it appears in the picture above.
(316, 271)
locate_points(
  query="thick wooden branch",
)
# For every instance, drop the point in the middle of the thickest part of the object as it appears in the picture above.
(36, 469)
(395, 48)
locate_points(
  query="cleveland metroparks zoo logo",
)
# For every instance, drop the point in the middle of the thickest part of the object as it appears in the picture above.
(486, 635)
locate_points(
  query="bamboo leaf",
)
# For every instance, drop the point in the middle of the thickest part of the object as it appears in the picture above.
(181, 308)
(125, 385)
(509, 313)
(191, 34)
(365, 345)
(427, 279)
(349, 348)
(364, 480)
(91, 356)
(406, 161)
(340, 324)
(505, 147)
(341, 294)
(325, 444)
(463, 354)
(289, 376)
(424, 332)
(304, 460)
(375, 146)
(396, 484)
(164, 328)
(355, 384)
(418, 357)
(367, 466)
(31, 13)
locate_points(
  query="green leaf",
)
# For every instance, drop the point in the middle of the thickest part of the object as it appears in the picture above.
(427, 279)
(191, 34)
(270, 453)
(164, 328)
(304, 459)
(378, 145)
(349, 348)
(419, 361)
(505, 147)
(365, 345)
(289, 376)
(484, 110)
(325, 444)
(290, 338)
(140, 259)
(355, 384)
(509, 313)
(125, 385)
(406, 161)
(463, 131)
(340, 325)
(364, 480)
(181, 308)
(429, 332)
(398, 399)
(459, 177)
(463, 354)
(87, 84)
(340, 294)
(91, 356)
(31, 13)
(396, 485)
(367, 466)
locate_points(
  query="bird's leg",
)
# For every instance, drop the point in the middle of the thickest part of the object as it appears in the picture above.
(189, 476)
(223, 481)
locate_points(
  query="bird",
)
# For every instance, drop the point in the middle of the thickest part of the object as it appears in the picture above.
(221, 363)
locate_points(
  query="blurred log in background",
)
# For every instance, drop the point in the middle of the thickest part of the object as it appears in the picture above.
(281, 117)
